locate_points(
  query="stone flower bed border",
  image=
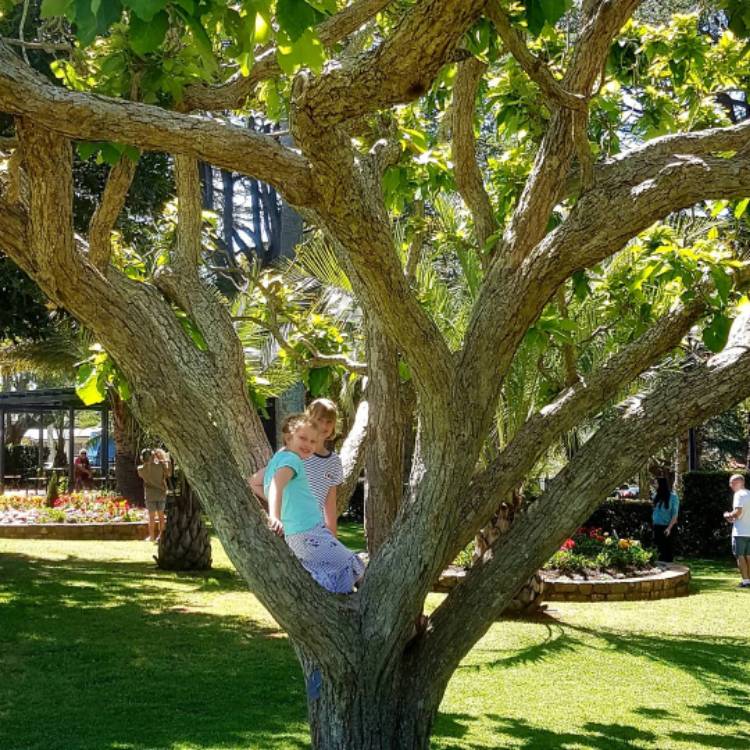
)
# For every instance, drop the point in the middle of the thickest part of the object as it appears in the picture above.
(672, 581)
(122, 531)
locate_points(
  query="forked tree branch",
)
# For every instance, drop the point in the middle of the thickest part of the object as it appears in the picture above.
(92, 117)
(645, 423)
(583, 399)
(535, 68)
(233, 93)
(127, 317)
(629, 194)
(107, 212)
(468, 176)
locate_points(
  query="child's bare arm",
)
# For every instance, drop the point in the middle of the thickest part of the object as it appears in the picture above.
(330, 515)
(275, 494)
(256, 483)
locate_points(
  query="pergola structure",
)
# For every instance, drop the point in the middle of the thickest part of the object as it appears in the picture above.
(51, 400)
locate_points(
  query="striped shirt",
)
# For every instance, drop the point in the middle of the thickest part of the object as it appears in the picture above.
(323, 472)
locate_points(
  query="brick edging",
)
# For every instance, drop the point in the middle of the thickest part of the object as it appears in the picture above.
(673, 581)
(124, 531)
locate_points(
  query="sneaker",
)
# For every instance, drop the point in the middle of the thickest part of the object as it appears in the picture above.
(743, 585)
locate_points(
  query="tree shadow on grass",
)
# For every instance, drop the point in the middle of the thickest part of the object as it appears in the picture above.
(536, 737)
(556, 641)
(719, 663)
(97, 655)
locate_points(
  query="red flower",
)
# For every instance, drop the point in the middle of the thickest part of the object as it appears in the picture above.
(568, 544)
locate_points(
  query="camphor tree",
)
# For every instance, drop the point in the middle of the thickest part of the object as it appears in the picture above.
(351, 80)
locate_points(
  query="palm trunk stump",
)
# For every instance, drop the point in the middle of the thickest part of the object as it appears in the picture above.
(185, 543)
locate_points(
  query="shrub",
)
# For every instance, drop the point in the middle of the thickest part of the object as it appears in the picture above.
(592, 550)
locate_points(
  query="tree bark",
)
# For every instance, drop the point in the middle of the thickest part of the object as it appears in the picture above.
(378, 709)
(385, 448)
(125, 432)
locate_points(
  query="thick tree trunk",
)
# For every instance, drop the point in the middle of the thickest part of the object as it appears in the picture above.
(370, 711)
(125, 432)
(185, 543)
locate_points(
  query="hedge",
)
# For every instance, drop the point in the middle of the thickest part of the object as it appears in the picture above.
(22, 459)
(701, 530)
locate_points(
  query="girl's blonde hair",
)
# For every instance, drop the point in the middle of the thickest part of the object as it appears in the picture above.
(293, 422)
(324, 410)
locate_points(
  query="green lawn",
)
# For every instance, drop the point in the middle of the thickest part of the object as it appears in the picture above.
(100, 650)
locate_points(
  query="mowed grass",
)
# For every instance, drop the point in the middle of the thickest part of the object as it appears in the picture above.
(99, 650)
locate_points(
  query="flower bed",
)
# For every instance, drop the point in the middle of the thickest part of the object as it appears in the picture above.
(75, 508)
(592, 554)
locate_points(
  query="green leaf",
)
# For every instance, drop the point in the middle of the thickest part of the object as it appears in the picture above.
(107, 14)
(85, 22)
(146, 9)
(541, 12)
(123, 387)
(723, 283)
(52, 8)
(716, 333)
(147, 37)
(89, 386)
(109, 154)
(318, 379)
(741, 208)
(307, 51)
(297, 16)
(581, 287)
(86, 149)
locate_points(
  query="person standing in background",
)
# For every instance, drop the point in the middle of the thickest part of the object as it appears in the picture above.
(739, 517)
(154, 476)
(664, 518)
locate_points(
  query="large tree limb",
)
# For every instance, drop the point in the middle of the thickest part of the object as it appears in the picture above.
(355, 218)
(645, 423)
(580, 400)
(91, 117)
(219, 444)
(465, 168)
(640, 188)
(397, 71)
(233, 93)
(107, 212)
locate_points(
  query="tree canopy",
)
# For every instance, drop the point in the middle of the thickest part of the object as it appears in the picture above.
(506, 188)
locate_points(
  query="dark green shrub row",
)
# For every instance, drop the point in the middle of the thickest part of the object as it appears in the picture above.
(22, 459)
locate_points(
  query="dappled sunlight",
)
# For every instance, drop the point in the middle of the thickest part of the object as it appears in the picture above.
(141, 659)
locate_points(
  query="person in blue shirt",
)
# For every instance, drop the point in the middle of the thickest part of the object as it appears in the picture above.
(294, 511)
(664, 518)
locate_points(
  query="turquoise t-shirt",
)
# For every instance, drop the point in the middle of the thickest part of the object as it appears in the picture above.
(299, 508)
(663, 516)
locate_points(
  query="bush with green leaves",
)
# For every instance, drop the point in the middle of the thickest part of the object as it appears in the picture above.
(591, 551)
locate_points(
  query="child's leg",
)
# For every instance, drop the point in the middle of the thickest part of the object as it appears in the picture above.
(161, 522)
(151, 520)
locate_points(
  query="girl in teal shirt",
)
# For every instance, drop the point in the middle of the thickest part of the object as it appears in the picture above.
(664, 518)
(294, 512)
